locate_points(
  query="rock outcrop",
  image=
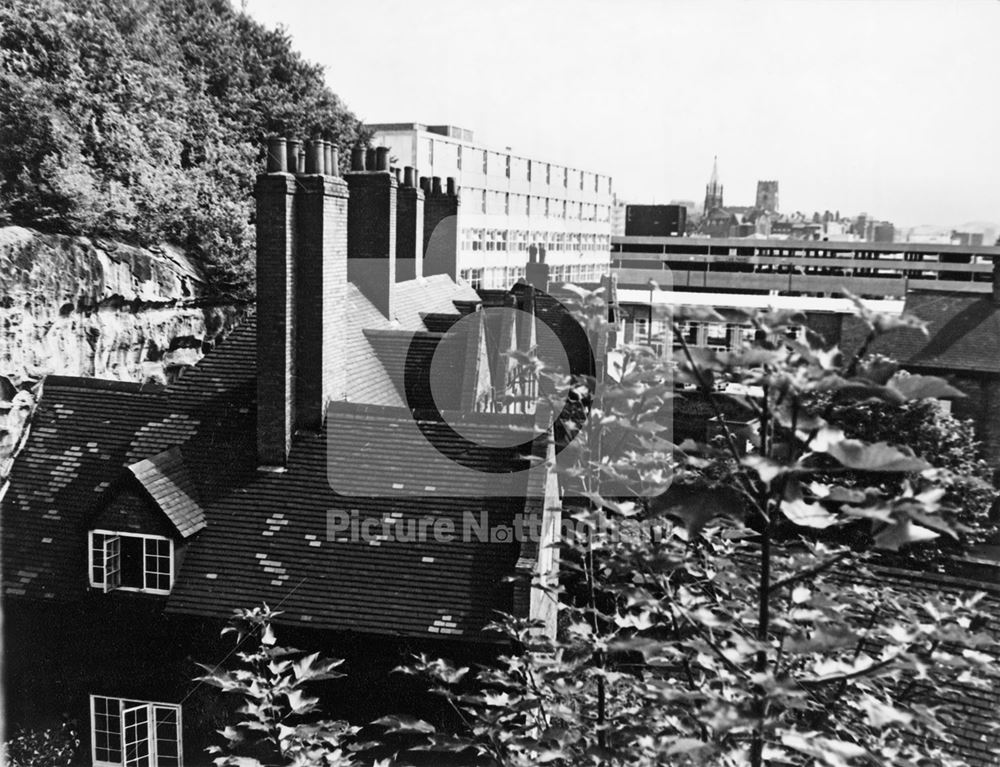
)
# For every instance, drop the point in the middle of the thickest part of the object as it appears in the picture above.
(81, 307)
(74, 306)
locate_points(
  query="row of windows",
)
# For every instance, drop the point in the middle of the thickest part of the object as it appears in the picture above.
(720, 336)
(490, 240)
(503, 277)
(511, 203)
(444, 155)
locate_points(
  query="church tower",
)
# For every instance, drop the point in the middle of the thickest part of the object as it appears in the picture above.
(713, 192)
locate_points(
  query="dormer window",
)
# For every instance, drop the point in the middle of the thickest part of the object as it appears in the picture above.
(131, 562)
(141, 524)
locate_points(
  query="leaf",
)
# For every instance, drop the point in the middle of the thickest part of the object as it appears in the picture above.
(267, 638)
(901, 534)
(404, 724)
(765, 467)
(697, 505)
(884, 322)
(807, 514)
(835, 753)
(696, 313)
(300, 703)
(923, 387)
(880, 456)
(881, 714)
(685, 746)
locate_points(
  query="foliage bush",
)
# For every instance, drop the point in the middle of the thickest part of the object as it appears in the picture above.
(54, 747)
(695, 633)
(144, 120)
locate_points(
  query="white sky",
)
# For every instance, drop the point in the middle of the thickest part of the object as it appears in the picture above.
(887, 107)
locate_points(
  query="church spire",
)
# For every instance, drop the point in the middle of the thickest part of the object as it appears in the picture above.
(713, 191)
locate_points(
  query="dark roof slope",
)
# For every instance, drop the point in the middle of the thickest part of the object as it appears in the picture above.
(963, 330)
(276, 537)
(264, 535)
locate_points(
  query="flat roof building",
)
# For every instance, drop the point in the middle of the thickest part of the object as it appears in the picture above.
(508, 202)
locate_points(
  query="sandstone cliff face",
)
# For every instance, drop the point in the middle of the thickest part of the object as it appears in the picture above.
(79, 307)
(72, 306)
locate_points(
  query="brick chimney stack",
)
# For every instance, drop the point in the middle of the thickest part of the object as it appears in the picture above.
(371, 227)
(301, 277)
(440, 227)
(409, 228)
(536, 271)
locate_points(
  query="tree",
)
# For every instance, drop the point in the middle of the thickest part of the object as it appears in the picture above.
(700, 633)
(276, 726)
(703, 620)
(144, 119)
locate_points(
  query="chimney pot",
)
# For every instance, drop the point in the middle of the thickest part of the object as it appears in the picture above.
(334, 167)
(425, 185)
(398, 173)
(327, 158)
(435, 185)
(294, 153)
(408, 174)
(277, 160)
(452, 187)
(314, 156)
(382, 158)
(358, 158)
(370, 159)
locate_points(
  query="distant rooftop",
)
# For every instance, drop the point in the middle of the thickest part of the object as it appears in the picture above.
(444, 130)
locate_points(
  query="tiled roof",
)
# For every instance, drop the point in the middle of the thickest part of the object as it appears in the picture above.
(427, 369)
(971, 710)
(166, 478)
(963, 329)
(268, 538)
(264, 533)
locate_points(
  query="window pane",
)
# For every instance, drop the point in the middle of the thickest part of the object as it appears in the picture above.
(167, 736)
(97, 558)
(135, 731)
(107, 729)
(157, 564)
(131, 561)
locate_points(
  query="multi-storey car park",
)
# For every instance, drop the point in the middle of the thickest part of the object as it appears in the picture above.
(509, 202)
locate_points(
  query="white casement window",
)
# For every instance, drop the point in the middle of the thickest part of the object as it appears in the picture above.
(131, 562)
(133, 733)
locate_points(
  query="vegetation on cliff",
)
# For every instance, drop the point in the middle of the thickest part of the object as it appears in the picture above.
(143, 120)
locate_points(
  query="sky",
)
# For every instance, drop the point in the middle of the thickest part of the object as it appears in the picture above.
(890, 107)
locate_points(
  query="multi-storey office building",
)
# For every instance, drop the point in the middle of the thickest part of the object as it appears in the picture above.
(509, 202)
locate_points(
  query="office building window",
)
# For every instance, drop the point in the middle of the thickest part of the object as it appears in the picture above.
(486, 162)
(548, 173)
(566, 178)
(459, 157)
(506, 203)
(508, 166)
(529, 170)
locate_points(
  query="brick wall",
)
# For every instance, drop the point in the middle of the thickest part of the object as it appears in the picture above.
(321, 285)
(371, 236)
(409, 232)
(275, 195)
(441, 231)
